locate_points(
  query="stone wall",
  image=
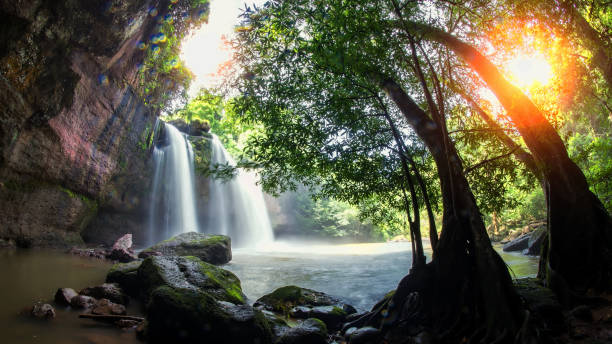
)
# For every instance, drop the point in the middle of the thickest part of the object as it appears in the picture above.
(74, 134)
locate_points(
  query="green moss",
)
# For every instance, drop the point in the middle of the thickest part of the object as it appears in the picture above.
(222, 279)
(338, 311)
(213, 240)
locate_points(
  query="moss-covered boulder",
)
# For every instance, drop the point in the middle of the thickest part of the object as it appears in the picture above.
(213, 249)
(542, 303)
(302, 303)
(126, 275)
(310, 331)
(189, 273)
(185, 315)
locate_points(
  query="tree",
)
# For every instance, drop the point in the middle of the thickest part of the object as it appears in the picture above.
(564, 264)
(306, 62)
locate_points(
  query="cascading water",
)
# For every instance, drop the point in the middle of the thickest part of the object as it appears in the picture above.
(237, 207)
(173, 209)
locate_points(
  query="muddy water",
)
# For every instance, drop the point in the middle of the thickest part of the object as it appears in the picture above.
(27, 276)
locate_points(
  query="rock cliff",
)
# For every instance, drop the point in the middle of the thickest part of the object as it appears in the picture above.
(75, 134)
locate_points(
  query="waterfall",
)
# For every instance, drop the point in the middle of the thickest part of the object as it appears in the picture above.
(173, 209)
(237, 207)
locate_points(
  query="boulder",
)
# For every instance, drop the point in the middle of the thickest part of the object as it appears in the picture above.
(517, 244)
(82, 301)
(122, 250)
(106, 307)
(198, 127)
(64, 295)
(111, 291)
(213, 249)
(188, 315)
(277, 323)
(535, 242)
(126, 276)
(364, 335)
(310, 331)
(332, 316)
(189, 273)
(43, 311)
(305, 303)
(542, 303)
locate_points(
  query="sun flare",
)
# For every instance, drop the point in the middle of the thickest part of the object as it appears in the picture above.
(527, 71)
(205, 51)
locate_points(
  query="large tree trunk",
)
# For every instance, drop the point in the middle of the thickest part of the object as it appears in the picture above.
(578, 255)
(466, 287)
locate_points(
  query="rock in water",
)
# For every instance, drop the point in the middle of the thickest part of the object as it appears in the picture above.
(517, 244)
(43, 311)
(82, 301)
(189, 273)
(126, 275)
(536, 240)
(106, 307)
(213, 249)
(111, 291)
(64, 295)
(179, 315)
(302, 303)
(123, 243)
(122, 250)
(310, 331)
(191, 301)
(364, 335)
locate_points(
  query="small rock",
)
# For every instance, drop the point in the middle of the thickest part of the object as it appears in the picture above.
(82, 301)
(364, 335)
(43, 311)
(310, 331)
(122, 250)
(106, 307)
(64, 295)
(123, 243)
(110, 291)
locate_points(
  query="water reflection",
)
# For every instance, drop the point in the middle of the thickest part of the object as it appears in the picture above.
(29, 276)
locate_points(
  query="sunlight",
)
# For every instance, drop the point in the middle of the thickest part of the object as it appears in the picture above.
(205, 50)
(527, 71)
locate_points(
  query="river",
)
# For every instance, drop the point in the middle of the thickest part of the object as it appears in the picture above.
(357, 273)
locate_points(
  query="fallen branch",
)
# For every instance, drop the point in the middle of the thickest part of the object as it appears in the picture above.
(104, 317)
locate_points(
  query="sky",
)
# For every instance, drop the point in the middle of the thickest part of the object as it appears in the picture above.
(203, 51)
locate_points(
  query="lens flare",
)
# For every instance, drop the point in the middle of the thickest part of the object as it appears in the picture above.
(528, 71)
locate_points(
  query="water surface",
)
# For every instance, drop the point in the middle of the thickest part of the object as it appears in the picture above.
(29, 276)
(359, 274)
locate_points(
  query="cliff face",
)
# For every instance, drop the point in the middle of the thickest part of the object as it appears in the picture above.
(74, 134)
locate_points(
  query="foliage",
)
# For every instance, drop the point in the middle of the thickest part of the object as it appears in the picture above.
(212, 108)
(331, 218)
(162, 75)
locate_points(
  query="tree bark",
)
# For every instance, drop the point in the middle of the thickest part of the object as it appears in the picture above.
(579, 248)
(466, 272)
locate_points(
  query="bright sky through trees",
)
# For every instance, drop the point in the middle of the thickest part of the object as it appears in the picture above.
(526, 71)
(204, 50)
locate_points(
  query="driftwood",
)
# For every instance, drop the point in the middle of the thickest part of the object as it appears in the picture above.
(111, 318)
